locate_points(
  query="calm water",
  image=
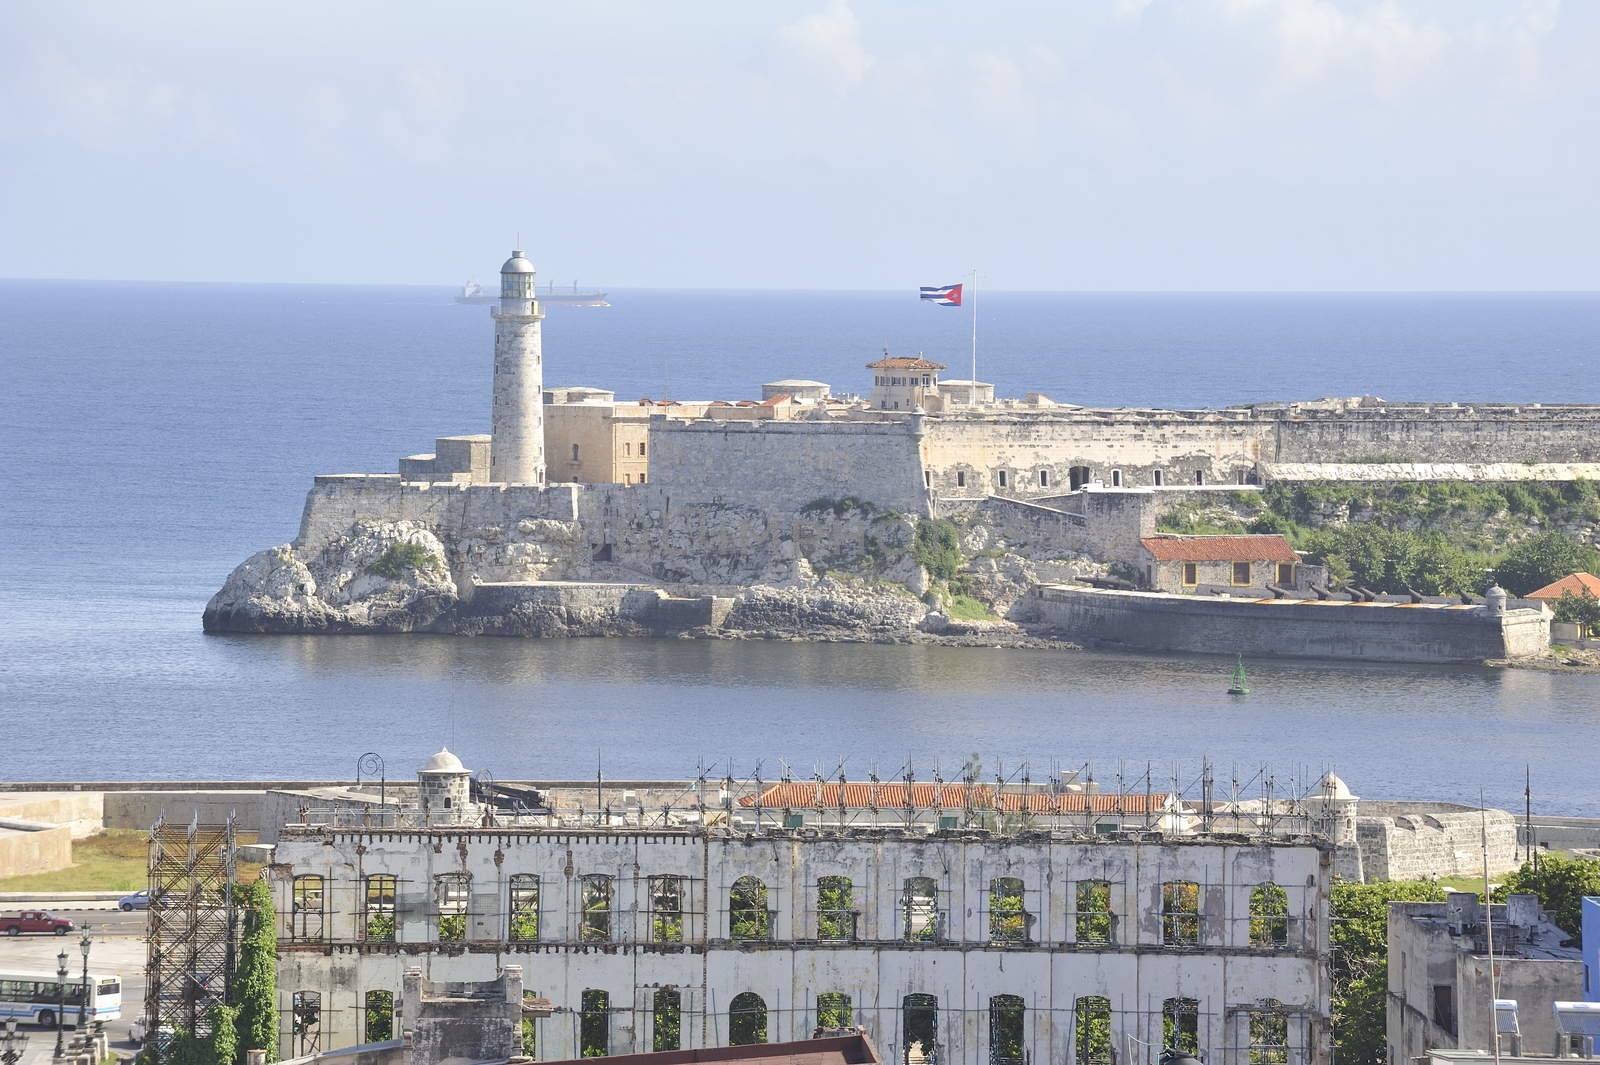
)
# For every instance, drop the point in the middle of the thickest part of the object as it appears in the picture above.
(155, 435)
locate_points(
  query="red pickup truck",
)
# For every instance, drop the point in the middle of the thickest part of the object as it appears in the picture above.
(34, 921)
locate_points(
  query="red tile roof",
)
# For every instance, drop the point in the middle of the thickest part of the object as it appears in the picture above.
(901, 362)
(1578, 584)
(799, 794)
(1269, 548)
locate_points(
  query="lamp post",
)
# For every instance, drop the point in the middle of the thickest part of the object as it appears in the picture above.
(61, 999)
(83, 998)
(11, 1044)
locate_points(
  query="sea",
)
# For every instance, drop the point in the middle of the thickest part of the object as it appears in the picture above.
(155, 435)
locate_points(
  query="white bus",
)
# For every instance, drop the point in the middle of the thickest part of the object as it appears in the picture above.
(36, 998)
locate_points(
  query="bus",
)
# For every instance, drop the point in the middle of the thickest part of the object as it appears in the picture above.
(37, 997)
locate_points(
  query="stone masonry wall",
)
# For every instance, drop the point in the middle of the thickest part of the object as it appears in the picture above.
(1408, 841)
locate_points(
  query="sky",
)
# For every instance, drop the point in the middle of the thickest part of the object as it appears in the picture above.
(1148, 145)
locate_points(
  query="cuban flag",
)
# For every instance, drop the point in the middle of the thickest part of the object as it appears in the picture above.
(948, 296)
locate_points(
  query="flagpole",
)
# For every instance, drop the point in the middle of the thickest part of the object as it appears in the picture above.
(973, 395)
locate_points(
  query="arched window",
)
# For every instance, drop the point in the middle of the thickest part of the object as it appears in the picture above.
(594, 1024)
(1269, 1035)
(666, 1010)
(1008, 919)
(378, 1008)
(1180, 913)
(594, 923)
(919, 1028)
(919, 910)
(452, 893)
(833, 1010)
(1269, 916)
(524, 908)
(307, 908)
(305, 1023)
(1095, 921)
(1005, 1030)
(1092, 1023)
(747, 1020)
(378, 924)
(666, 908)
(748, 917)
(1077, 477)
(1180, 1025)
(836, 918)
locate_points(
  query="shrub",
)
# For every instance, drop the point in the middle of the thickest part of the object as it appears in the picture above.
(1539, 560)
(257, 998)
(403, 558)
(938, 548)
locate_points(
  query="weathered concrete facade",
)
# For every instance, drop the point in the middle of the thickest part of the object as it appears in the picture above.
(1225, 974)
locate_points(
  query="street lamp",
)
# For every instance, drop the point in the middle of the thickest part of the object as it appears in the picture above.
(83, 999)
(11, 1044)
(61, 999)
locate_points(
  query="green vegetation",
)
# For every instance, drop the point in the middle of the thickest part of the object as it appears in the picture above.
(839, 507)
(380, 927)
(256, 993)
(452, 927)
(1542, 559)
(833, 1010)
(594, 1024)
(223, 1045)
(964, 607)
(1390, 560)
(1579, 610)
(835, 921)
(403, 558)
(747, 910)
(938, 548)
(530, 1031)
(1360, 943)
(668, 1026)
(117, 859)
(1561, 883)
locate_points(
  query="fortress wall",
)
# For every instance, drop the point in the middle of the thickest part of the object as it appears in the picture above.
(338, 501)
(1150, 621)
(1401, 841)
(1220, 449)
(1442, 434)
(781, 466)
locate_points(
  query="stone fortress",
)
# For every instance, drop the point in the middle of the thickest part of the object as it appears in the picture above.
(579, 514)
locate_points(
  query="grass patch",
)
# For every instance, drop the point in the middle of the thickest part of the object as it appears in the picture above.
(966, 608)
(401, 559)
(114, 860)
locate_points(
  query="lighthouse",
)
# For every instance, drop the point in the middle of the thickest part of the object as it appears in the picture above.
(516, 454)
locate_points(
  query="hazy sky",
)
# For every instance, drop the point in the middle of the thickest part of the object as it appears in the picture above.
(1080, 144)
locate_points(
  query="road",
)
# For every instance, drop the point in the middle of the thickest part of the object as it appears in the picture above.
(117, 947)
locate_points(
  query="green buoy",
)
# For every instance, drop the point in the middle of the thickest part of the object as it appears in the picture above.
(1241, 684)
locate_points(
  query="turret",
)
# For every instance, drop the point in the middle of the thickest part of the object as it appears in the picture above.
(516, 453)
(444, 786)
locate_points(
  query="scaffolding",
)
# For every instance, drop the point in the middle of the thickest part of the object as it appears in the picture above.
(193, 924)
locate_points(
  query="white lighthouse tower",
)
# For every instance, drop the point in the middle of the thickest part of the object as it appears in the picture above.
(516, 454)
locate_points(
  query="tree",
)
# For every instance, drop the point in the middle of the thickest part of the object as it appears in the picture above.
(1582, 610)
(257, 998)
(1560, 883)
(1539, 560)
(224, 1043)
(1360, 943)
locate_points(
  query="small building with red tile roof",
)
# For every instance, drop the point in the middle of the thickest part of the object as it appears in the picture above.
(902, 382)
(1252, 562)
(1579, 584)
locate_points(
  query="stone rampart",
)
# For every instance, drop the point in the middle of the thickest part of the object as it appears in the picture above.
(780, 466)
(1383, 632)
(1411, 840)
(1390, 472)
(1437, 433)
(338, 501)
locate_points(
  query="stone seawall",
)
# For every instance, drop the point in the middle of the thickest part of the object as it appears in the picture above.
(1153, 621)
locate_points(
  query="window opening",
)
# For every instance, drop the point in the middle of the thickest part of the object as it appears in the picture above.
(1094, 911)
(1191, 574)
(919, 906)
(594, 924)
(378, 1009)
(530, 1027)
(1005, 1030)
(1241, 573)
(1008, 918)
(1199, 476)
(1180, 1025)
(524, 908)
(920, 1029)
(452, 894)
(666, 909)
(747, 1020)
(594, 1024)
(1269, 916)
(1269, 1036)
(1180, 913)
(667, 1019)
(836, 919)
(379, 908)
(1286, 573)
(1002, 476)
(748, 917)
(1092, 1019)
(833, 1010)
(1116, 478)
(305, 1028)
(1160, 478)
(1044, 478)
(307, 913)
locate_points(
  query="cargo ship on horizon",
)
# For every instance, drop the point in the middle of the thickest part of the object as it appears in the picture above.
(472, 292)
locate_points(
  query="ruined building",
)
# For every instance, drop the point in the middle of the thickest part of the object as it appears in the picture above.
(953, 922)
